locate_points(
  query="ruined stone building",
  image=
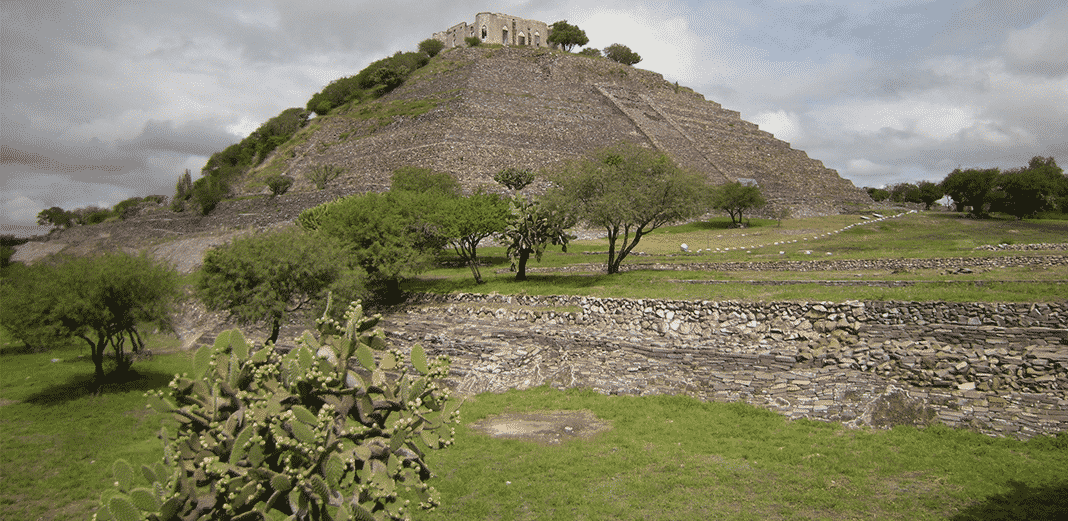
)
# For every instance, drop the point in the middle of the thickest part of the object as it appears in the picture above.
(497, 28)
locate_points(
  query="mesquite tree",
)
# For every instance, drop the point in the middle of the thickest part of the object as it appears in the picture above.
(629, 191)
(102, 300)
(266, 276)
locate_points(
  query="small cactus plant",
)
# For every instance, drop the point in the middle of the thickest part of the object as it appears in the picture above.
(302, 435)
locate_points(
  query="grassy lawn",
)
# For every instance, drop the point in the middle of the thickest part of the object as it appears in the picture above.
(912, 236)
(57, 440)
(663, 457)
(678, 458)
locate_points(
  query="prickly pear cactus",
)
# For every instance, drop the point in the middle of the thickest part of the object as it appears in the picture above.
(328, 431)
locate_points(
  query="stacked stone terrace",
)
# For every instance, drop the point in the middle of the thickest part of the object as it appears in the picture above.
(532, 108)
(1001, 369)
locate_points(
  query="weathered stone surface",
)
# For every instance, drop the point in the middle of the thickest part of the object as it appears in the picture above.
(494, 108)
(503, 342)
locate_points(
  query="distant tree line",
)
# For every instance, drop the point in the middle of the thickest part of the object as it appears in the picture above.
(1024, 192)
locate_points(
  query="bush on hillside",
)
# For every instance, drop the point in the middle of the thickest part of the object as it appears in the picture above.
(279, 184)
(431, 47)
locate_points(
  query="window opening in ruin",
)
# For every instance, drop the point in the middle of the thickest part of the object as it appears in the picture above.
(504, 36)
(484, 33)
(537, 39)
(522, 39)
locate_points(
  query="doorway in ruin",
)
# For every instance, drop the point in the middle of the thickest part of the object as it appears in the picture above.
(504, 36)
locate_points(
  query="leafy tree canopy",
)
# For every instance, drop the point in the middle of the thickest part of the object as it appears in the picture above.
(431, 47)
(971, 187)
(618, 52)
(566, 35)
(266, 276)
(1033, 189)
(465, 221)
(389, 235)
(102, 300)
(629, 191)
(736, 198)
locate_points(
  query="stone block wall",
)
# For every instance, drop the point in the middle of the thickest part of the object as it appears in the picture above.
(961, 346)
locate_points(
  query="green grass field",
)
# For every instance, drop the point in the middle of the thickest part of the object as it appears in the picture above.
(922, 235)
(663, 457)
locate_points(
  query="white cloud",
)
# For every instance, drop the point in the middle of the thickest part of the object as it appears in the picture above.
(658, 33)
(19, 208)
(1041, 48)
(864, 168)
(784, 125)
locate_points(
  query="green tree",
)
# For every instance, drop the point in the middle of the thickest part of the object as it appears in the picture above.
(55, 216)
(472, 41)
(620, 53)
(904, 193)
(514, 178)
(530, 229)
(878, 194)
(431, 47)
(590, 51)
(209, 191)
(388, 235)
(629, 191)
(929, 193)
(566, 35)
(1033, 189)
(465, 221)
(736, 198)
(102, 300)
(266, 276)
(972, 187)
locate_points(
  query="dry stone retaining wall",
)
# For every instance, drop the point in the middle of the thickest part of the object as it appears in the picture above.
(998, 368)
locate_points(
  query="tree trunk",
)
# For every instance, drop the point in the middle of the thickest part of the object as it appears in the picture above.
(276, 327)
(521, 266)
(613, 266)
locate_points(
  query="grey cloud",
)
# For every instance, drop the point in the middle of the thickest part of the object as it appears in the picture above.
(198, 138)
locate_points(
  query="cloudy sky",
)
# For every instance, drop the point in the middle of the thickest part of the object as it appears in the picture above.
(106, 100)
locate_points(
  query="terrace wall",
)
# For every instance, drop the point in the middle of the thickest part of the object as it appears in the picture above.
(1001, 368)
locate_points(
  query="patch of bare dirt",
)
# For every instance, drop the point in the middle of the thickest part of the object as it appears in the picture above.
(548, 427)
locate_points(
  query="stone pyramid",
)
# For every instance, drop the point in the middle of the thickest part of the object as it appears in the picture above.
(474, 111)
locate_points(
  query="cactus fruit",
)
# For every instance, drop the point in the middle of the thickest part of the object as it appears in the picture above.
(328, 431)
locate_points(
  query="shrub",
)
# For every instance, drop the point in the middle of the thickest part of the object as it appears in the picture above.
(208, 191)
(91, 215)
(320, 175)
(431, 47)
(590, 51)
(279, 184)
(55, 216)
(514, 178)
(621, 53)
(472, 41)
(128, 208)
(262, 434)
